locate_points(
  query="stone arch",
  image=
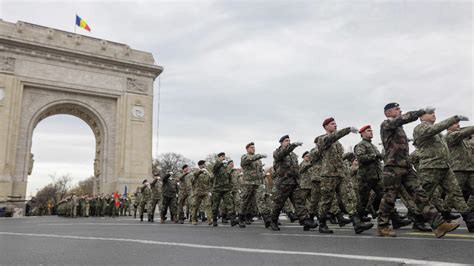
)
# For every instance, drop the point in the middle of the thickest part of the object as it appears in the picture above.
(86, 113)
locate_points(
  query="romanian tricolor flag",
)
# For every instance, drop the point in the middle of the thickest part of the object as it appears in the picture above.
(82, 23)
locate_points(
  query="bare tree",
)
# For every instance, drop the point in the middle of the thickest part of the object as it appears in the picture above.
(84, 187)
(170, 162)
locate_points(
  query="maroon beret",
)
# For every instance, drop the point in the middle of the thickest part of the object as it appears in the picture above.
(327, 121)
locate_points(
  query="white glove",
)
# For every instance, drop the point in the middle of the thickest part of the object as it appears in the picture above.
(298, 143)
(463, 118)
(224, 162)
(170, 173)
(210, 194)
(354, 130)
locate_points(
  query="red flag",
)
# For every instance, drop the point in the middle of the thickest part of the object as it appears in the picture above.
(116, 199)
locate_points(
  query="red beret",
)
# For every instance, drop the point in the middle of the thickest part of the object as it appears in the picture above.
(362, 129)
(327, 121)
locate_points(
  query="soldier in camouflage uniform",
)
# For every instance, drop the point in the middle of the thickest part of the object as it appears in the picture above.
(307, 185)
(252, 178)
(461, 161)
(236, 201)
(434, 163)
(86, 206)
(155, 197)
(333, 174)
(398, 172)
(184, 191)
(137, 202)
(168, 198)
(200, 184)
(221, 187)
(369, 172)
(264, 199)
(286, 185)
(145, 200)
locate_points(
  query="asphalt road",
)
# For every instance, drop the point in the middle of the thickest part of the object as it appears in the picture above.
(124, 241)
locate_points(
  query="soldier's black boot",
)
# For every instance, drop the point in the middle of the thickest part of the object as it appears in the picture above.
(359, 226)
(449, 216)
(308, 223)
(292, 217)
(267, 220)
(241, 220)
(274, 225)
(225, 219)
(332, 218)
(214, 220)
(341, 220)
(323, 227)
(398, 223)
(152, 218)
(469, 220)
(248, 219)
(141, 217)
(233, 220)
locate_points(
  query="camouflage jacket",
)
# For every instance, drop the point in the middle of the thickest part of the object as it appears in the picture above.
(394, 139)
(184, 183)
(285, 165)
(369, 158)
(306, 174)
(460, 150)
(201, 181)
(169, 186)
(432, 150)
(414, 159)
(236, 184)
(146, 193)
(155, 189)
(222, 177)
(316, 162)
(252, 169)
(137, 199)
(332, 163)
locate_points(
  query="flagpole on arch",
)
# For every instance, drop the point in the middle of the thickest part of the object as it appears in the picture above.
(75, 24)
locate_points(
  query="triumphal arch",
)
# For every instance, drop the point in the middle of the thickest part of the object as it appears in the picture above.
(45, 71)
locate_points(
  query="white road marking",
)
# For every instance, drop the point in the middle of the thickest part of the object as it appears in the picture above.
(246, 250)
(433, 238)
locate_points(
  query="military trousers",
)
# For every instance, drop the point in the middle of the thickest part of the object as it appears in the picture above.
(168, 203)
(283, 192)
(466, 183)
(365, 186)
(217, 197)
(197, 200)
(448, 183)
(182, 202)
(394, 178)
(264, 201)
(333, 189)
(249, 197)
(152, 205)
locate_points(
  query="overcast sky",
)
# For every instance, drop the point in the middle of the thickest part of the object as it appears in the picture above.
(241, 71)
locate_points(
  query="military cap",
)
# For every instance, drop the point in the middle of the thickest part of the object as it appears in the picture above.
(304, 154)
(327, 121)
(283, 138)
(250, 144)
(184, 166)
(144, 181)
(201, 162)
(362, 129)
(390, 106)
(220, 154)
(231, 161)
